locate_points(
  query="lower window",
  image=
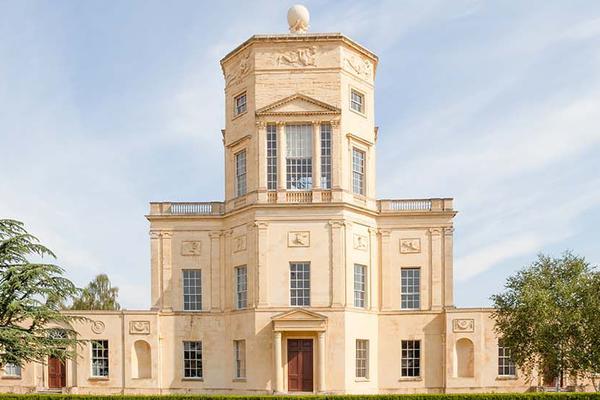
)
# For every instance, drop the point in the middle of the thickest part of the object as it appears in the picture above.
(239, 354)
(192, 359)
(362, 358)
(506, 366)
(12, 370)
(99, 358)
(411, 358)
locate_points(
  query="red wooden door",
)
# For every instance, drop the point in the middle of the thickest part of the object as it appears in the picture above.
(300, 365)
(57, 374)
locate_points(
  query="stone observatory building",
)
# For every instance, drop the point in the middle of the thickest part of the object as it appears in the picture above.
(301, 280)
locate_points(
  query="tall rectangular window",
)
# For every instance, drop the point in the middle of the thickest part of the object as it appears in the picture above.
(360, 285)
(192, 289)
(12, 370)
(271, 157)
(192, 359)
(240, 173)
(298, 157)
(99, 358)
(411, 288)
(325, 156)
(358, 171)
(506, 366)
(411, 358)
(239, 355)
(240, 104)
(362, 358)
(300, 284)
(357, 101)
(241, 285)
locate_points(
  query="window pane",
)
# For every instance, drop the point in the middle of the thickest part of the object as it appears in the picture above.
(326, 156)
(192, 289)
(360, 286)
(241, 278)
(240, 173)
(99, 358)
(362, 358)
(298, 157)
(300, 284)
(411, 358)
(192, 359)
(239, 354)
(358, 171)
(271, 157)
(357, 101)
(240, 104)
(410, 288)
(506, 366)
(12, 370)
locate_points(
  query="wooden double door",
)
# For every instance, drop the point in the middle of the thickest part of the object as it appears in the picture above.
(57, 373)
(300, 365)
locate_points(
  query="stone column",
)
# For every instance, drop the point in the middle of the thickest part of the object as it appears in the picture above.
(262, 264)
(337, 280)
(281, 152)
(385, 275)
(156, 269)
(226, 281)
(448, 268)
(251, 265)
(436, 268)
(373, 278)
(261, 164)
(316, 171)
(168, 294)
(322, 387)
(336, 155)
(215, 270)
(278, 366)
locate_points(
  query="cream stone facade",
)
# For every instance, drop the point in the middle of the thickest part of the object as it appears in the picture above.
(301, 279)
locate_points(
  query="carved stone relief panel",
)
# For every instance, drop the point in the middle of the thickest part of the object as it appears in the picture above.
(240, 70)
(410, 246)
(362, 68)
(463, 325)
(139, 327)
(239, 243)
(298, 239)
(191, 248)
(361, 242)
(303, 57)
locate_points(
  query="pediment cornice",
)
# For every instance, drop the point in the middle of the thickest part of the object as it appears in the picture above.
(298, 105)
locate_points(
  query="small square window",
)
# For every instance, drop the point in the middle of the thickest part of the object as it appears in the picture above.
(357, 101)
(240, 104)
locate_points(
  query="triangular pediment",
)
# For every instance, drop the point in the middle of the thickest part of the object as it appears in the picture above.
(298, 104)
(299, 315)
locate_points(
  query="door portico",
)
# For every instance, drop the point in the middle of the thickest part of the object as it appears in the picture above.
(299, 348)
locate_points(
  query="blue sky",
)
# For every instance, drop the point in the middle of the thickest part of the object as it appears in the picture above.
(105, 106)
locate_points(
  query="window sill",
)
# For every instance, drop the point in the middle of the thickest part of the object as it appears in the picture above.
(238, 380)
(236, 116)
(362, 380)
(193, 379)
(98, 378)
(11, 377)
(362, 114)
(410, 379)
(506, 378)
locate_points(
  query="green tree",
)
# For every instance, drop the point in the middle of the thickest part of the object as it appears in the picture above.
(545, 315)
(31, 295)
(99, 294)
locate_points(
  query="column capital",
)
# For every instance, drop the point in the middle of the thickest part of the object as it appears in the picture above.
(435, 231)
(280, 123)
(384, 232)
(215, 234)
(261, 124)
(228, 233)
(277, 335)
(334, 122)
(261, 225)
(155, 234)
(449, 231)
(167, 235)
(337, 223)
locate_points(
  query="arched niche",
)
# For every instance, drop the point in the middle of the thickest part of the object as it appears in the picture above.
(141, 360)
(464, 366)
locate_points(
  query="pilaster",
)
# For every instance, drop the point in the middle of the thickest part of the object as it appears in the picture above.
(448, 267)
(436, 268)
(215, 270)
(226, 282)
(156, 269)
(338, 261)
(261, 163)
(262, 286)
(386, 276)
(281, 171)
(167, 268)
(316, 171)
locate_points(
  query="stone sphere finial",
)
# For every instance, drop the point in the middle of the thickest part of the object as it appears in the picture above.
(298, 18)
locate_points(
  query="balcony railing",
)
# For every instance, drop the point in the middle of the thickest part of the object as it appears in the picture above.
(188, 208)
(414, 205)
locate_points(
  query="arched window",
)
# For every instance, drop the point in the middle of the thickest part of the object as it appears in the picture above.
(141, 360)
(464, 361)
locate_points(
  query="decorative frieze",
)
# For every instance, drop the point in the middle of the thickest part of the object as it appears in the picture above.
(191, 248)
(240, 71)
(408, 246)
(299, 239)
(463, 325)
(139, 327)
(360, 67)
(303, 57)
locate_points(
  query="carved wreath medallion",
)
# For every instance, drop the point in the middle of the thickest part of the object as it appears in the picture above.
(463, 325)
(98, 327)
